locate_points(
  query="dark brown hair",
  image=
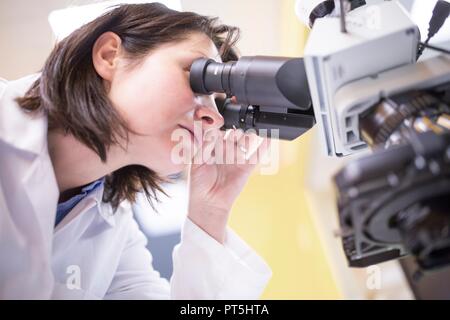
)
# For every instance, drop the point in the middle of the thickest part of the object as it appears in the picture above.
(73, 96)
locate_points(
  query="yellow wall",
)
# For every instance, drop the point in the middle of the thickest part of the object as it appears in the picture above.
(272, 214)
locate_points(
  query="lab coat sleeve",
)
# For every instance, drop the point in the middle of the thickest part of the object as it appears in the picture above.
(135, 277)
(205, 269)
(25, 271)
(202, 269)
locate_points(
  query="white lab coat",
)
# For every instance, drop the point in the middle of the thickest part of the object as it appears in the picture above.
(94, 254)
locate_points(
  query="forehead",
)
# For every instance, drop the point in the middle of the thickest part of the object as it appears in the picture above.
(198, 44)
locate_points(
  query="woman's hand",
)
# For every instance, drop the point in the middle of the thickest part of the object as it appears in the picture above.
(218, 175)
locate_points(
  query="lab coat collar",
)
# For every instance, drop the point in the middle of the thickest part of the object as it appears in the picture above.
(92, 200)
(17, 128)
(105, 210)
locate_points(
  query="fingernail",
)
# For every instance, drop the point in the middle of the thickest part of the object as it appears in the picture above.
(227, 133)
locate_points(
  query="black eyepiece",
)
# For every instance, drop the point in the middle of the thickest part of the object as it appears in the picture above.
(259, 80)
(197, 75)
(269, 93)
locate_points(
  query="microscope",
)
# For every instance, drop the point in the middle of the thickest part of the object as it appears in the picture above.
(362, 82)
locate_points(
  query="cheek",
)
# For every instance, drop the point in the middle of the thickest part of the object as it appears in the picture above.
(151, 104)
(174, 154)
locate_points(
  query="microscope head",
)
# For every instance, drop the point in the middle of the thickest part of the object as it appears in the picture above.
(378, 38)
(368, 92)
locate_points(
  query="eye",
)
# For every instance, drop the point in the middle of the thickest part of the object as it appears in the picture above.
(188, 66)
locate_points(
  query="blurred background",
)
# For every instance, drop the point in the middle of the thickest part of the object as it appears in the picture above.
(290, 217)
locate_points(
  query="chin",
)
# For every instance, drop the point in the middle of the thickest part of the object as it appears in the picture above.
(171, 163)
(174, 173)
(171, 168)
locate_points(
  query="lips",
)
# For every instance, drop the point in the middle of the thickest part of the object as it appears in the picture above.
(191, 131)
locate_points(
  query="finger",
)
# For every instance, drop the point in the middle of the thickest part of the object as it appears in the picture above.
(206, 153)
(237, 134)
(256, 141)
(241, 151)
(230, 144)
(227, 134)
(262, 153)
(249, 143)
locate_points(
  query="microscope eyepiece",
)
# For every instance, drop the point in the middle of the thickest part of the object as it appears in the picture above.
(259, 80)
(270, 93)
(208, 76)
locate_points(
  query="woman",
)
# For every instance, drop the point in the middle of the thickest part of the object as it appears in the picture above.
(81, 139)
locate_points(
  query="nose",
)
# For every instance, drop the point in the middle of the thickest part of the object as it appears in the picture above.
(207, 113)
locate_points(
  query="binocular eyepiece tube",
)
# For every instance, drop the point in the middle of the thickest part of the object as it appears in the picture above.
(259, 80)
(269, 92)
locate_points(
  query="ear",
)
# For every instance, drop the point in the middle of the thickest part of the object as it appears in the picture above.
(105, 54)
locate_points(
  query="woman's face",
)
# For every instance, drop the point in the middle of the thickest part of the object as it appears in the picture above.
(156, 100)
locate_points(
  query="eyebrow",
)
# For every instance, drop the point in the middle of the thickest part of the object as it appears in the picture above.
(205, 55)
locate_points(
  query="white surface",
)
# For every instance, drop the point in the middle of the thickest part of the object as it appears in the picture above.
(378, 39)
